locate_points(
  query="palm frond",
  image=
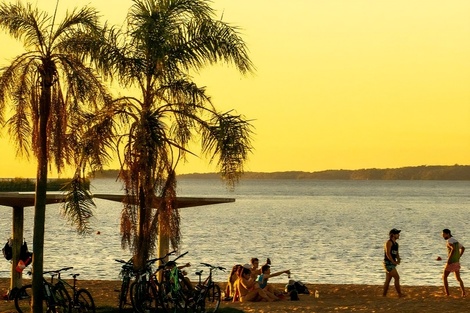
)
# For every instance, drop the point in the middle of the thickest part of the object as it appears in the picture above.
(227, 137)
(24, 23)
(212, 41)
(78, 205)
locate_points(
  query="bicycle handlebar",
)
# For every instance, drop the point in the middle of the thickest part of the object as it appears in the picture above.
(122, 261)
(180, 256)
(58, 271)
(161, 258)
(214, 267)
(162, 266)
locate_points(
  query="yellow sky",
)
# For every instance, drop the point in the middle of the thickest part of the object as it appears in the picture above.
(339, 84)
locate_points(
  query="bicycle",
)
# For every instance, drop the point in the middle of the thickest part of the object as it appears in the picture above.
(147, 293)
(127, 272)
(144, 297)
(56, 298)
(207, 294)
(174, 289)
(82, 301)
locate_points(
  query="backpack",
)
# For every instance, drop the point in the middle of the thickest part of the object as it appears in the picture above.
(298, 286)
(7, 251)
(25, 255)
(301, 288)
(294, 295)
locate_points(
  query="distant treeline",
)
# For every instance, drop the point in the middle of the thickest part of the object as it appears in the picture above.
(29, 184)
(437, 172)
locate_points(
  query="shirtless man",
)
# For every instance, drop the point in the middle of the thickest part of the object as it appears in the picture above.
(454, 252)
(255, 270)
(247, 289)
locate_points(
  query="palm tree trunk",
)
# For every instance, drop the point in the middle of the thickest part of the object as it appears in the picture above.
(40, 202)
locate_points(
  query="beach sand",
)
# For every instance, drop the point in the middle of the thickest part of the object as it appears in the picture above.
(333, 298)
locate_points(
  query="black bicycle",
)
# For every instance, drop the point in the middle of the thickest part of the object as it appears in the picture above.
(127, 273)
(82, 301)
(207, 293)
(56, 298)
(169, 294)
(144, 291)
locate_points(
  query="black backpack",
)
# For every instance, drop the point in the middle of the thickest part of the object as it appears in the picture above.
(294, 295)
(25, 255)
(7, 251)
(298, 286)
(301, 288)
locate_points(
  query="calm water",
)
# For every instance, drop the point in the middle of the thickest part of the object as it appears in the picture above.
(324, 231)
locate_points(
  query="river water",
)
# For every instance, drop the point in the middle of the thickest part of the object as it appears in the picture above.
(323, 231)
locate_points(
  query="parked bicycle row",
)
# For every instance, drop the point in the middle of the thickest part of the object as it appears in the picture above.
(166, 288)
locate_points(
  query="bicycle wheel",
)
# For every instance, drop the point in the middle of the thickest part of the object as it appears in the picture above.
(180, 301)
(173, 301)
(162, 304)
(84, 302)
(23, 299)
(212, 298)
(143, 297)
(123, 292)
(63, 302)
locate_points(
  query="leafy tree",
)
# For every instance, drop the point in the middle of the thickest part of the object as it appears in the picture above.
(49, 89)
(161, 42)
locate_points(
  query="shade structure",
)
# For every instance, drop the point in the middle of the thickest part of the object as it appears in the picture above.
(19, 200)
(26, 199)
(181, 202)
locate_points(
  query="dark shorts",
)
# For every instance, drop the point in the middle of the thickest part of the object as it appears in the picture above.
(389, 266)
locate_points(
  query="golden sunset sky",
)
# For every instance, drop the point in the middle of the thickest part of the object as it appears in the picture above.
(339, 84)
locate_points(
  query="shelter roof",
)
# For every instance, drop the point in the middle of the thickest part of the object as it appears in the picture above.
(26, 199)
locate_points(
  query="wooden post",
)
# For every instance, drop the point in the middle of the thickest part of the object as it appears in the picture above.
(163, 242)
(17, 240)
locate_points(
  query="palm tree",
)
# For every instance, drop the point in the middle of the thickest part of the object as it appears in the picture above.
(163, 41)
(49, 88)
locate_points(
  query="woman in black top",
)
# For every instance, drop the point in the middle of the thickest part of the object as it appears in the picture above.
(391, 260)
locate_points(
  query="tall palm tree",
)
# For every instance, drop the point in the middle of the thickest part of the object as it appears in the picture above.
(162, 41)
(49, 89)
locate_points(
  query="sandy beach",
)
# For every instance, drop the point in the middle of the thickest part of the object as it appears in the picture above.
(333, 298)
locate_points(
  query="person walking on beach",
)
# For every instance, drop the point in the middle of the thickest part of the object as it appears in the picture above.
(454, 252)
(391, 260)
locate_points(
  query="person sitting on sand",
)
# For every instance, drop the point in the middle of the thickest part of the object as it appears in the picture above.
(247, 289)
(255, 270)
(262, 279)
(229, 290)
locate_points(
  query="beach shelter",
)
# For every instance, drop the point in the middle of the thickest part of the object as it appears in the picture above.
(19, 200)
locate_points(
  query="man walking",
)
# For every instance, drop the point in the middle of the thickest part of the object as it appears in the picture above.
(454, 252)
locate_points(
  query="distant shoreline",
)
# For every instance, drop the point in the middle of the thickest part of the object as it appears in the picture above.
(423, 172)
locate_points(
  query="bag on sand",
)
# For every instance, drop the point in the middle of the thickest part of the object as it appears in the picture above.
(294, 295)
(297, 286)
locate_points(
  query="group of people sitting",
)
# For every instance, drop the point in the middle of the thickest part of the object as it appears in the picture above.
(249, 282)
